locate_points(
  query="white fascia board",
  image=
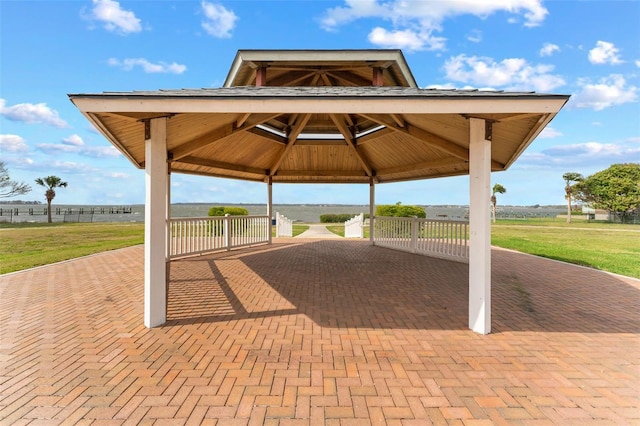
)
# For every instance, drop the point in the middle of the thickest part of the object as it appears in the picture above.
(320, 106)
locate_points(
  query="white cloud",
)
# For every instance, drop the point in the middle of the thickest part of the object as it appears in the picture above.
(475, 36)
(72, 167)
(638, 63)
(100, 151)
(114, 18)
(549, 133)
(75, 145)
(147, 66)
(609, 91)
(219, 20)
(32, 114)
(406, 39)
(605, 53)
(73, 140)
(549, 49)
(419, 20)
(587, 154)
(510, 73)
(12, 143)
(118, 175)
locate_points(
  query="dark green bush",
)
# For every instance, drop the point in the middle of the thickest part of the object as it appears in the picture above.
(398, 210)
(232, 211)
(336, 218)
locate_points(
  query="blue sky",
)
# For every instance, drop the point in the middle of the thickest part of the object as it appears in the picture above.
(588, 49)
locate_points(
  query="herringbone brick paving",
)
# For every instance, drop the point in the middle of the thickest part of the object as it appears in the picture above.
(324, 332)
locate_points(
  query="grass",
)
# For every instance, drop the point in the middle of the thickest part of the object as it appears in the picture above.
(609, 247)
(26, 245)
(297, 230)
(339, 230)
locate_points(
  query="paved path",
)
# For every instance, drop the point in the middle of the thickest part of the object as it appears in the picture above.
(318, 231)
(318, 332)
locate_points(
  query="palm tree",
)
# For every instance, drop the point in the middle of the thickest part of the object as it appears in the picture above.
(50, 182)
(569, 178)
(497, 189)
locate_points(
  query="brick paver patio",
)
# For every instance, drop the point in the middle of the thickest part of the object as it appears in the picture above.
(310, 332)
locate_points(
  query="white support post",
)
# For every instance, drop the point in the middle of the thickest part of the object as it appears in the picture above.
(372, 202)
(270, 206)
(155, 229)
(479, 226)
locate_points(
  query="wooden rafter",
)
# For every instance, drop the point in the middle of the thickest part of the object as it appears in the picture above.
(222, 165)
(373, 135)
(429, 138)
(201, 141)
(321, 142)
(286, 79)
(424, 165)
(346, 133)
(297, 128)
(332, 173)
(352, 79)
(221, 132)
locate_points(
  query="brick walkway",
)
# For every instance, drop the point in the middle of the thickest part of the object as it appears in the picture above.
(318, 332)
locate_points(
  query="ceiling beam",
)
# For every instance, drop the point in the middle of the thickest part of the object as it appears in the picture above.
(321, 142)
(297, 128)
(201, 141)
(333, 173)
(348, 137)
(350, 78)
(424, 165)
(425, 136)
(217, 134)
(373, 135)
(287, 79)
(268, 135)
(222, 165)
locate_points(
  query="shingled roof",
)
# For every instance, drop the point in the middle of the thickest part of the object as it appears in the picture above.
(317, 125)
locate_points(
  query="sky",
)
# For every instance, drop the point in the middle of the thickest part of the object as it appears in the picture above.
(49, 49)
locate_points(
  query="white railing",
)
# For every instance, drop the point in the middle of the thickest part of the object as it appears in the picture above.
(284, 226)
(446, 239)
(197, 235)
(353, 228)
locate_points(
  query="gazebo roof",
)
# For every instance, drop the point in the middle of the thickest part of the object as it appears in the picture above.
(319, 67)
(335, 116)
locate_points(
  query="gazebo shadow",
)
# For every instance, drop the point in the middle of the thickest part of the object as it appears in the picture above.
(351, 284)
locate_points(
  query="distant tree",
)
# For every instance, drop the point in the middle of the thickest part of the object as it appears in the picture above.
(497, 189)
(50, 183)
(8, 187)
(616, 189)
(570, 178)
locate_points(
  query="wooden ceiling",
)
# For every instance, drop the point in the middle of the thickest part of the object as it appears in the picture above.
(364, 120)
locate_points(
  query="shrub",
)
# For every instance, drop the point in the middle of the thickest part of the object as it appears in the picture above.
(398, 210)
(338, 218)
(231, 211)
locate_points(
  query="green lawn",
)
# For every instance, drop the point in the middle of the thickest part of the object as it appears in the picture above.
(297, 230)
(609, 247)
(29, 245)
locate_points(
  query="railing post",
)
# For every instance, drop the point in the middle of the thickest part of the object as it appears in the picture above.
(414, 234)
(227, 231)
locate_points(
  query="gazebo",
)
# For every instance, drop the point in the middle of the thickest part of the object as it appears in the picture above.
(320, 116)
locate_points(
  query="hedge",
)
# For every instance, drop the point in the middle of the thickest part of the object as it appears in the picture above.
(231, 211)
(398, 210)
(338, 218)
